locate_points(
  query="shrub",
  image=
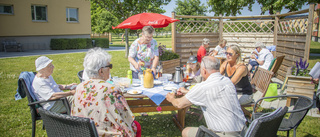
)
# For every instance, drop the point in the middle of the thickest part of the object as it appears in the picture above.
(165, 54)
(101, 42)
(78, 43)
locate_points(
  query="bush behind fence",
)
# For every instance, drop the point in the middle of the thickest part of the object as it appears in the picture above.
(78, 43)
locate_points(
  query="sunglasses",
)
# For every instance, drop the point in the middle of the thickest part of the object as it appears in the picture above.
(228, 53)
(108, 66)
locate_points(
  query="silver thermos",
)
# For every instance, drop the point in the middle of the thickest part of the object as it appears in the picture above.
(178, 75)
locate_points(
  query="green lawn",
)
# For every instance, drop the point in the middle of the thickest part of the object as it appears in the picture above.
(315, 47)
(117, 41)
(15, 115)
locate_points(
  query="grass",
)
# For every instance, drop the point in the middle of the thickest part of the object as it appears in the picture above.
(315, 47)
(117, 41)
(15, 115)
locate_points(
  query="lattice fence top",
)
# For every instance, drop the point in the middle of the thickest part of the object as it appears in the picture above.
(192, 26)
(296, 25)
(248, 26)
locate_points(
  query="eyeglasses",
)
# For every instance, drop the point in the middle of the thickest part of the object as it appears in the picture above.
(228, 53)
(108, 66)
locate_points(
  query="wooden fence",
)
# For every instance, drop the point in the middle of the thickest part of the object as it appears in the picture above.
(289, 32)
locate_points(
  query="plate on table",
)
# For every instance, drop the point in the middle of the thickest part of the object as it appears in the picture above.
(134, 92)
(157, 82)
(170, 88)
(136, 84)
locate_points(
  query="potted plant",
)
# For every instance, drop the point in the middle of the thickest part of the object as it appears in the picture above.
(299, 81)
(168, 59)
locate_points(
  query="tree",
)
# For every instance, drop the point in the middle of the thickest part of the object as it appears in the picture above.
(102, 20)
(190, 7)
(277, 5)
(229, 7)
(122, 9)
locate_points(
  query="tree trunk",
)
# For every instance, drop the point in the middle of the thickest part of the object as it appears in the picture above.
(127, 43)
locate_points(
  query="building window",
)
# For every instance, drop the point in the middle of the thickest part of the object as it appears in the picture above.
(6, 9)
(39, 13)
(72, 14)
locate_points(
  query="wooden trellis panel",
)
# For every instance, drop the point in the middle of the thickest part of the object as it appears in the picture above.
(190, 33)
(192, 26)
(292, 42)
(248, 26)
(190, 42)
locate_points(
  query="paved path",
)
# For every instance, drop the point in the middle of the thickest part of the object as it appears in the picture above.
(314, 54)
(46, 52)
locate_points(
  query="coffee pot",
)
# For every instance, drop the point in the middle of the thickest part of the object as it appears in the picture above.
(178, 75)
(148, 80)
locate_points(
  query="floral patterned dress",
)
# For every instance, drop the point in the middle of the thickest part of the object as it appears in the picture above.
(105, 105)
(143, 53)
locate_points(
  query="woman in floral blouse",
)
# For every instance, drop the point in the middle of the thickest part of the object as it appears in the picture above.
(144, 52)
(102, 102)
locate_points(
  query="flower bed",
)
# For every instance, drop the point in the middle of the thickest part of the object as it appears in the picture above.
(299, 81)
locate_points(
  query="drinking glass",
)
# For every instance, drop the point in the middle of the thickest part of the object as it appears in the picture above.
(164, 80)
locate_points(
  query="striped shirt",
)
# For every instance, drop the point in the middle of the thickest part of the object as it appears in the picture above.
(218, 100)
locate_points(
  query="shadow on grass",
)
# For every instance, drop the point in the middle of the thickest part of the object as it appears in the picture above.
(162, 125)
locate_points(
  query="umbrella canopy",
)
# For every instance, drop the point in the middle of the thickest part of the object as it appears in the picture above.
(138, 21)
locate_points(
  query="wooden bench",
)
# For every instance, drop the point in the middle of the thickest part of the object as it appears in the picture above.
(11, 43)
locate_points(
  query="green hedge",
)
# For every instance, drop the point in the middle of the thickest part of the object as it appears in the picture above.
(78, 43)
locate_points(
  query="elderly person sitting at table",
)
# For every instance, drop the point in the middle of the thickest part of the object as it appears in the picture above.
(102, 102)
(45, 88)
(237, 71)
(264, 59)
(220, 49)
(217, 97)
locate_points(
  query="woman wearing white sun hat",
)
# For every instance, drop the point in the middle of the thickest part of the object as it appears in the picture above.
(45, 88)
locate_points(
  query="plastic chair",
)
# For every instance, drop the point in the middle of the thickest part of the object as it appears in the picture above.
(80, 73)
(58, 125)
(300, 110)
(266, 126)
(34, 104)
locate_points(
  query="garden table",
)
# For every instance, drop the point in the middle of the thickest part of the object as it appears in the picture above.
(146, 103)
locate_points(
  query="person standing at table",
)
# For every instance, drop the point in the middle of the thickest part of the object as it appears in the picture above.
(221, 48)
(217, 97)
(144, 53)
(202, 51)
(237, 71)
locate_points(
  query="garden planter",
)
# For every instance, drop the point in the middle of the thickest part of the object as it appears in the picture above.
(168, 66)
(299, 85)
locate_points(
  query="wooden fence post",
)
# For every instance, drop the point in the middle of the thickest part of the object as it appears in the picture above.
(275, 32)
(309, 31)
(220, 28)
(173, 32)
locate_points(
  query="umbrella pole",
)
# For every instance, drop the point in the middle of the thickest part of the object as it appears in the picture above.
(127, 43)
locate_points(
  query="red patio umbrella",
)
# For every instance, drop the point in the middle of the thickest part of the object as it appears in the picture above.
(138, 21)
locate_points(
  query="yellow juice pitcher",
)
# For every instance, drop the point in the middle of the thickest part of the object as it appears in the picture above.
(148, 78)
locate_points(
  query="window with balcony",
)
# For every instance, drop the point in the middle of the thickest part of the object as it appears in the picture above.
(72, 14)
(6, 9)
(39, 13)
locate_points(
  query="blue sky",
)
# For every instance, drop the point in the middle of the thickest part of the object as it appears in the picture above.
(256, 10)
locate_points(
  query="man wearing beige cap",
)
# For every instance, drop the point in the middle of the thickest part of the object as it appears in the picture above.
(45, 88)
